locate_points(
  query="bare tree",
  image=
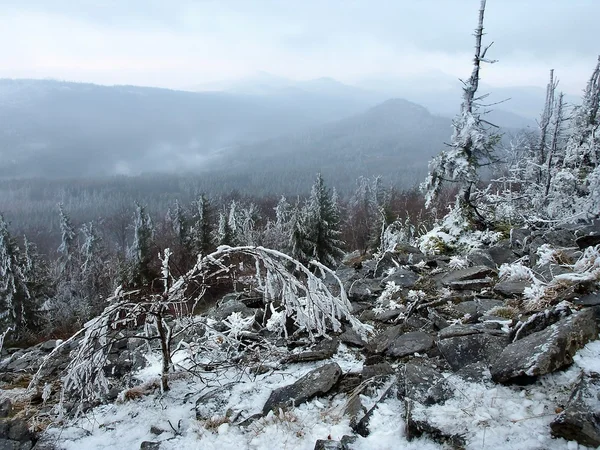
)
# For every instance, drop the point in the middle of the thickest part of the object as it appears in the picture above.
(471, 144)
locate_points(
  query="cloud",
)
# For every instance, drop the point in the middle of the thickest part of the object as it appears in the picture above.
(176, 44)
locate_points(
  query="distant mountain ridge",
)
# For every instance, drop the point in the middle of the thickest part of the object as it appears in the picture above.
(57, 129)
(395, 139)
(282, 136)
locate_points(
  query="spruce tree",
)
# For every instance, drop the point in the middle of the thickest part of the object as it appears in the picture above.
(319, 226)
(17, 309)
(67, 246)
(201, 230)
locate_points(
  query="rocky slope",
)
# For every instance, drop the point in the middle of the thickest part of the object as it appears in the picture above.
(494, 350)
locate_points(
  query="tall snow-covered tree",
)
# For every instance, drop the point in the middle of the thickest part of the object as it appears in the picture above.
(201, 229)
(67, 248)
(472, 142)
(94, 278)
(224, 233)
(16, 309)
(316, 229)
(278, 232)
(581, 167)
(179, 223)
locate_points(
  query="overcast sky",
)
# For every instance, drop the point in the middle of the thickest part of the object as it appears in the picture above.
(181, 43)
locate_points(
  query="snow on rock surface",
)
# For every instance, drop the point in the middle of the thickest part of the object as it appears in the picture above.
(547, 350)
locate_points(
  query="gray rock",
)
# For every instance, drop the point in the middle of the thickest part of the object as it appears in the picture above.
(481, 258)
(417, 426)
(437, 319)
(477, 372)
(149, 445)
(228, 305)
(548, 271)
(473, 285)
(590, 240)
(511, 288)
(580, 420)
(409, 343)
(377, 370)
(28, 361)
(347, 440)
(6, 408)
(383, 340)
(19, 431)
(458, 330)
(401, 277)
(558, 238)
(545, 351)
(46, 443)
(539, 321)
(519, 238)
(327, 444)
(6, 444)
(352, 337)
(48, 345)
(423, 384)
(156, 430)
(323, 350)
(592, 299)
(501, 253)
(384, 264)
(478, 306)
(363, 289)
(362, 426)
(473, 348)
(470, 273)
(316, 382)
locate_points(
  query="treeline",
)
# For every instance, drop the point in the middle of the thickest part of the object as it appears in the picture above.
(52, 293)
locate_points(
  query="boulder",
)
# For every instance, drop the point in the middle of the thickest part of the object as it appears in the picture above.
(363, 289)
(323, 350)
(316, 382)
(351, 337)
(328, 444)
(417, 425)
(479, 306)
(423, 384)
(481, 257)
(501, 253)
(362, 426)
(409, 343)
(539, 321)
(401, 277)
(590, 240)
(461, 351)
(580, 420)
(149, 445)
(228, 305)
(545, 351)
(470, 273)
(519, 240)
(383, 340)
(377, 370)
(473, 285)
(592, 299)
(15, 435)
(6, 408)
(511, 288)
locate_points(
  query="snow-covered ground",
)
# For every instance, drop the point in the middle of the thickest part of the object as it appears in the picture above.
(488, 416)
